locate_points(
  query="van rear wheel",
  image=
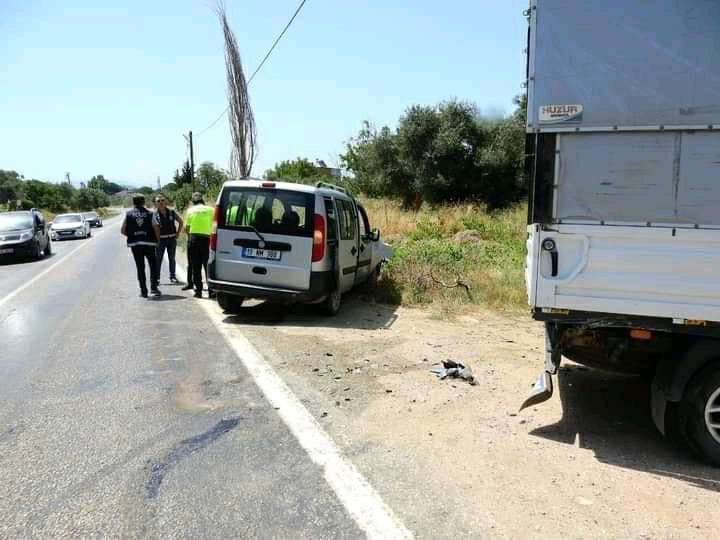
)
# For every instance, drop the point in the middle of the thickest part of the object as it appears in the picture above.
(229, 302)
(699, 414)
(331, 304)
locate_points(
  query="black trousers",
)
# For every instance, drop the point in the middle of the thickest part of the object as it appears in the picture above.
(169, 244)
(199, 253)
(189, 264)
(140, 254)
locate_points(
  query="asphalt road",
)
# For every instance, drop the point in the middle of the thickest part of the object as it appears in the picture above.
(133, 418)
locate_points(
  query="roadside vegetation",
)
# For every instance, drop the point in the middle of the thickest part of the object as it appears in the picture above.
(453, 256)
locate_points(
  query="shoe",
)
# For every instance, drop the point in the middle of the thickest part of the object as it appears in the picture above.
(212, 294)
(143, 294)
(156, 292)
(187, 288)
(198, 294)
(173, 279)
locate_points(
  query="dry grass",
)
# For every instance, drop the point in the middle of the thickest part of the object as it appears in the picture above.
(429, 260)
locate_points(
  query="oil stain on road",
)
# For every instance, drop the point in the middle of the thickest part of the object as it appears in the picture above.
(159, 469)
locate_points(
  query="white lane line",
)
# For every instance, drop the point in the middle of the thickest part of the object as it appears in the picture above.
(52, 267)
(359, 498)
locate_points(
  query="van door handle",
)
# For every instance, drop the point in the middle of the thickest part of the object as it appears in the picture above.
(353, 251)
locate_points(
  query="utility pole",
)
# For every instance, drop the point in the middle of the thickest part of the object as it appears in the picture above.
(158, 183)
(188, 138)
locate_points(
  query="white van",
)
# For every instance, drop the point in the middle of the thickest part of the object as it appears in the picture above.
(290, 243)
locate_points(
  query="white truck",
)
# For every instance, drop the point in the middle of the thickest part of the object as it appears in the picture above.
(623, 248)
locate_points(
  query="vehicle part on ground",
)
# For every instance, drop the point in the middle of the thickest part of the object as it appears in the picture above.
(332, 302)
(230, 303)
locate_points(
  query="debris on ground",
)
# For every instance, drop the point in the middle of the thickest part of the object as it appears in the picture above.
(454, 370)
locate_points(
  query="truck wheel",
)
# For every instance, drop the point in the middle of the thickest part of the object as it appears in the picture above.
(699, 414)
(229, 303)
(331, 304)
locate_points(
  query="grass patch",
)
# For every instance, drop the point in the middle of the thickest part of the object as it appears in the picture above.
(431, 258)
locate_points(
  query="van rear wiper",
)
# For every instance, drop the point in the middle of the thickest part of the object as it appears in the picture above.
(250, 228)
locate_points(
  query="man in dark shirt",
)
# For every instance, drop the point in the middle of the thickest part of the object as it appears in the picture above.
(170, 223)
(142, 238)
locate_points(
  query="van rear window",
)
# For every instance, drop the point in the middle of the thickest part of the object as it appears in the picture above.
(270, 211)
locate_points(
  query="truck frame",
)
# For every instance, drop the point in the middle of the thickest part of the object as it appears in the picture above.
(623, 156)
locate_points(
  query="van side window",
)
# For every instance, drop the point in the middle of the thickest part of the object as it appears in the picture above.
(348, 219)
(364, 223)
(331, 220)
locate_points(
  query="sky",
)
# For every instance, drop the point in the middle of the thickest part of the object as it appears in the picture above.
(110, 87)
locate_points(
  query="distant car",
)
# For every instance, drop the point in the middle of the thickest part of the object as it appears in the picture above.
(67, 226)
(24, 234)
(93, 219)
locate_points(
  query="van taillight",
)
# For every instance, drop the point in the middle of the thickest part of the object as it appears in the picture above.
(213, 232)
(318, 249)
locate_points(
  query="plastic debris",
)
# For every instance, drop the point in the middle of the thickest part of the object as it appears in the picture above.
(454, 370)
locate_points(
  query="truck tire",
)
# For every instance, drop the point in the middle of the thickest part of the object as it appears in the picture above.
(699, 414)
(230, 303)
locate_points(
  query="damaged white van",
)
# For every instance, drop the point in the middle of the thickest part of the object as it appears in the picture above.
(290, 243)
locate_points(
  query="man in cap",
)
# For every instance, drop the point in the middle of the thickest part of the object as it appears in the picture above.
(198, 226)
(143, 237)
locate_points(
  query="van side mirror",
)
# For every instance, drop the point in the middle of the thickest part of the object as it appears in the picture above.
(375, 235)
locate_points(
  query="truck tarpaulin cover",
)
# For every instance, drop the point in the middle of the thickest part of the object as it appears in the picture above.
(634, 63)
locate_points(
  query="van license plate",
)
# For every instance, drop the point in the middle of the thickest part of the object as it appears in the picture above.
(254, 253)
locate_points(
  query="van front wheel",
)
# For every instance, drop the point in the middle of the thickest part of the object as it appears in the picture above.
(331, 305)
(229, 303)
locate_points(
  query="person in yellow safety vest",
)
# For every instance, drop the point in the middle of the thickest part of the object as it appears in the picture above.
(198, 225)
(246, 217)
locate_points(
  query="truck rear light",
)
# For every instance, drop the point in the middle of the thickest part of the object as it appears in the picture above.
(213, 231)
(318, 248)
(640, 333)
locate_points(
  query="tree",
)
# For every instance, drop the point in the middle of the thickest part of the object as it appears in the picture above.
(99, 183)
(184, 177)
(90, 199)
(296, 169)
(10, 186)
(209, 177)
(444, 153)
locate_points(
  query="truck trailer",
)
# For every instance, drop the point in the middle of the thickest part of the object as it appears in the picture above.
(623, 156)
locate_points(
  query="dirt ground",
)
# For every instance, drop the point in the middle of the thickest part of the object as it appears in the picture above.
(455, 460)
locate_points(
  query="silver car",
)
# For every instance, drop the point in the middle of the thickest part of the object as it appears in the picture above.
(291, 242)
(66, 226)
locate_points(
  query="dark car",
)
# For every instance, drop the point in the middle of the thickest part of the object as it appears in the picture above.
(23, 234)
(93, 219)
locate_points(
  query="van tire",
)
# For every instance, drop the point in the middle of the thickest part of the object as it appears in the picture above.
(703, 389)
(230, 303)
(48, 249)
(332, 302)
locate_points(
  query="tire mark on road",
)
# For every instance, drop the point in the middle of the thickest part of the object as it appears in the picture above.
(184, 448)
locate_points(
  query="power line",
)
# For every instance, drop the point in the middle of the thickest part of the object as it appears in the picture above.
(262, 63)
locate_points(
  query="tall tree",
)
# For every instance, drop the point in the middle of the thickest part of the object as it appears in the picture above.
(294, 169)
(210, 177)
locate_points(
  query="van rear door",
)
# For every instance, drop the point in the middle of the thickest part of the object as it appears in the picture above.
(265, 237)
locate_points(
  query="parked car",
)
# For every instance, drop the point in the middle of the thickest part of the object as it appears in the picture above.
(93, 219)
(290, 243)
(24, 234)
(67, 226)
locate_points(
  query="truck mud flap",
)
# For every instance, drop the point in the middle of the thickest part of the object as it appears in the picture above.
(541, 391)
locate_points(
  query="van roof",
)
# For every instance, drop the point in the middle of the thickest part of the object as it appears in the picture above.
(290, 186)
